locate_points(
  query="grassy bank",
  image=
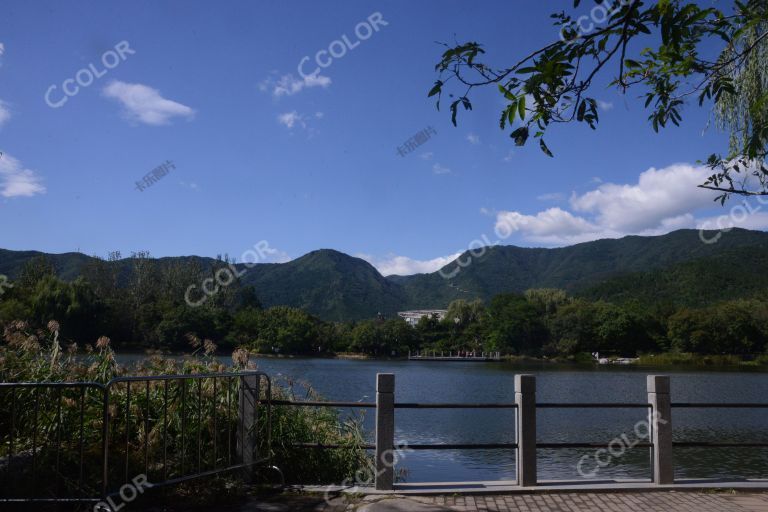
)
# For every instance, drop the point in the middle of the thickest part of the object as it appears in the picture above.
(688, 359)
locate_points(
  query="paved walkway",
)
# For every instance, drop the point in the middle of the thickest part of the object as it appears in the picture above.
(555, 502)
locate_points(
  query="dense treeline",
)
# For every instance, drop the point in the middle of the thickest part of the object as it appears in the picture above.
(147, 308)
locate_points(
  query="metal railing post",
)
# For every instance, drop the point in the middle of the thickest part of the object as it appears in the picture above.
(105, 441)
(385, 431)
(247, 446)
(525, 398)
(660, 425)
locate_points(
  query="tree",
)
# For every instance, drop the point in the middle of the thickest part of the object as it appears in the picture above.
(72, 304)
(574, 327)
(548, 300)
(34, 271)
(288, 330)
(552, 85)
(462, 313)
(514, 325)
(733, 327)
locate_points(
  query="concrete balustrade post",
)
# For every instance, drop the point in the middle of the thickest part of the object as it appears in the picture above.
(385, 431)
(525, 399)
(660, 425)
(247, 444)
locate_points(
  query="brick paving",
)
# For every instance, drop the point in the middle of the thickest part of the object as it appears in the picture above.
(613, 502)
(543, 502)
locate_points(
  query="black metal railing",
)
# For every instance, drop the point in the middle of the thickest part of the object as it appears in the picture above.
(83, 441)
(603, 405)
(717, 405)
(653, 422)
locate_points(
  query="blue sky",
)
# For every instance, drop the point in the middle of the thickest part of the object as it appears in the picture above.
(261, 153)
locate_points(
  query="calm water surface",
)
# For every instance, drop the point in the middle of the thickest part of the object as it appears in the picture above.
(424, 382)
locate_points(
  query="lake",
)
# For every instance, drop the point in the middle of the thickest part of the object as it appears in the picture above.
(424, 382)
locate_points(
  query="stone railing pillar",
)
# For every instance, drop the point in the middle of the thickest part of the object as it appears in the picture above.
(660, 425)
(385, 431)
(247, 444)
(525, 398)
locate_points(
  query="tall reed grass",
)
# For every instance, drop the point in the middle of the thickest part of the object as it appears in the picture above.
(51, 437)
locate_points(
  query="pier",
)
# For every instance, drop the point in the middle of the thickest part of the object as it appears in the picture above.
(454, 356)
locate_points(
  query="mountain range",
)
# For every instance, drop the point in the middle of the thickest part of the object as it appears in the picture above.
(677, 267)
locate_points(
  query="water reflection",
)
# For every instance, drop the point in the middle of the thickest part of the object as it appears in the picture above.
(494, 382)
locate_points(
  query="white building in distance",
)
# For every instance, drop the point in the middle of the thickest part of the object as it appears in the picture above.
(412, 317)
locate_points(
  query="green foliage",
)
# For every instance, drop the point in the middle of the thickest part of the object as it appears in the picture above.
(30, 355)
(339, 288)
(699, 282)
(735, 327)
(288, 331)
(663, 48)
(611, 296)
(514, 326)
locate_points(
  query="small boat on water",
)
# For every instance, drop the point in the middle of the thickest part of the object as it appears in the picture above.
(617, 360)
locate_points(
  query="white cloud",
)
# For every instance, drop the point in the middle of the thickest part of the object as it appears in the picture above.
(427, 156)
(604, 105)
(295, 119)
(145, 104)
(288, 85)
(2, 49)
(5, 113)
(659, 194)
(405, 266)
(473, 139)
(751, 213)
(439, 169)
(16, 181)
(510, 156)
(289, 119)
(272, 255)
(548, 223)
(661, 201)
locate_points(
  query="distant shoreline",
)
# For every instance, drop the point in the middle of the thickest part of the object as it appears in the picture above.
(693, 361)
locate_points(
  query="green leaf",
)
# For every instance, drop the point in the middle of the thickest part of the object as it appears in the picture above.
(504, 114)
(454, 111)
(520, 136)
(544, 148)
(521, 107)
(436, 89)
(508, 95)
